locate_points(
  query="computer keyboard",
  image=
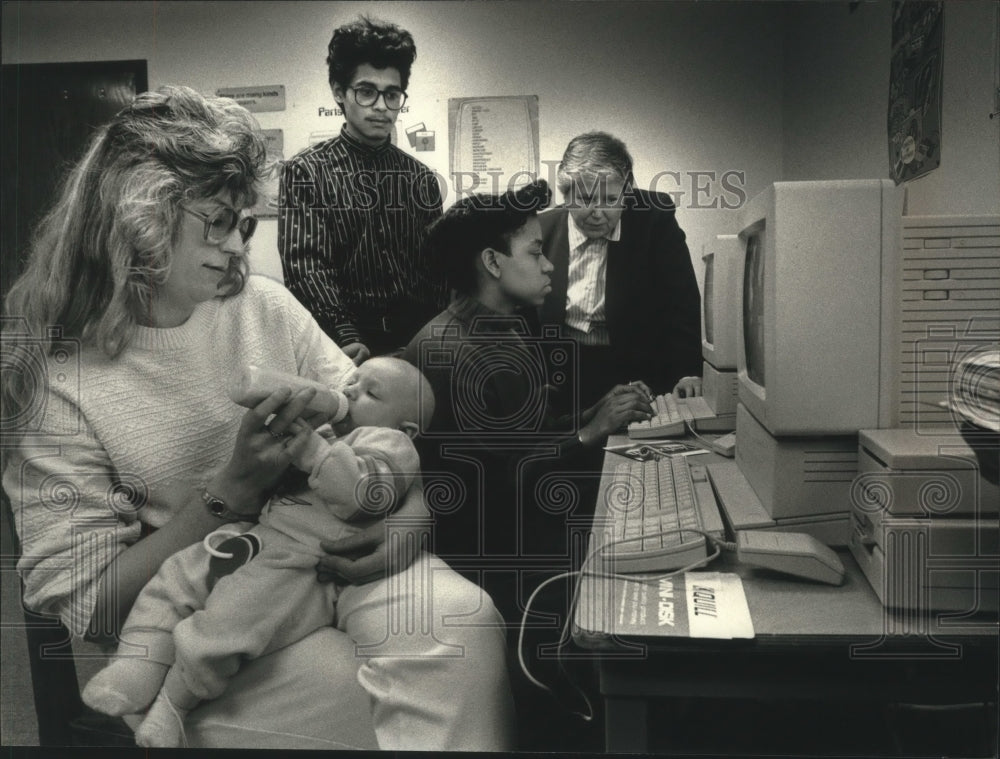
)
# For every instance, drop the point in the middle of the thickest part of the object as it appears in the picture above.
(670, 415)
(648, 497)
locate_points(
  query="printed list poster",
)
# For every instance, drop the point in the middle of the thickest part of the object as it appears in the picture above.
(494, 142)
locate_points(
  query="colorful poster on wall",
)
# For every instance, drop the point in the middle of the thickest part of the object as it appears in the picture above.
(915, 88)
(493, 141)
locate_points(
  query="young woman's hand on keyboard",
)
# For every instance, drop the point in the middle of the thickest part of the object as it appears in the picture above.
(620, 406)
(641, 389)
(638, 388)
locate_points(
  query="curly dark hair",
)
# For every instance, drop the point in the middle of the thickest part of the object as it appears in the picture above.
(481, 221)
(377, 43)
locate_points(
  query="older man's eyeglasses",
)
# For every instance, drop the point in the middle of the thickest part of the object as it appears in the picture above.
(220, 224)
(366, 95)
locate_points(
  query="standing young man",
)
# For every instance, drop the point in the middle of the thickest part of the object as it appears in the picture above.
(353, 210)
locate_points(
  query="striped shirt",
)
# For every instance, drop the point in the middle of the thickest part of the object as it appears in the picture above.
(588, 260)
(351, 226)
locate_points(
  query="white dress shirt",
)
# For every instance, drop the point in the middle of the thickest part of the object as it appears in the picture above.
(588, 259)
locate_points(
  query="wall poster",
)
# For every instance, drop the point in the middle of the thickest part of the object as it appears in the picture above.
(914, 118)
(493, 141)
(267, 200)
(256, 98)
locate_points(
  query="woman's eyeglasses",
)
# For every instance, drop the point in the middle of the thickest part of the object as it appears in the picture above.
(366, 95)
(220, 224)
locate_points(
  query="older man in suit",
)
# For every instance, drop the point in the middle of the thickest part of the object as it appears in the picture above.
(623, 285)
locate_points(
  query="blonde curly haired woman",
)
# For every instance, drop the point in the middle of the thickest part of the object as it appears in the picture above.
(120, 339)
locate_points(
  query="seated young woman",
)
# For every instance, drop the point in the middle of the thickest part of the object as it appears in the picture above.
(137, 304)
(493, 382)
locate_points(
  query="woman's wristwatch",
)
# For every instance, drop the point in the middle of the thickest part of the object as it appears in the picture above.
(220, 509)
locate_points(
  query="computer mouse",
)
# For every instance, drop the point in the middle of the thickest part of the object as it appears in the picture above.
(725, 445)
(793, 553)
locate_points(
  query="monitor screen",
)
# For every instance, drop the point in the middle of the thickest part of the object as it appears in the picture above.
(753, 310)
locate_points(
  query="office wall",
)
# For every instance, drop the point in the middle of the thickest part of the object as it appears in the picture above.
(691, 87)
(836, 76)
(773, 90)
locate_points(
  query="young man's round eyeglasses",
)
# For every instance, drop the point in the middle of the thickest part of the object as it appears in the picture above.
(220, 224)
(365, 95)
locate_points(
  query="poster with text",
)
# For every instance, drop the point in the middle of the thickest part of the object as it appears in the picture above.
(914, 118)
(267, 199)
(493, 141)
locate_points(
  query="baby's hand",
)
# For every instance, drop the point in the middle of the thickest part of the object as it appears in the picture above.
(326, 432)
(304, 445)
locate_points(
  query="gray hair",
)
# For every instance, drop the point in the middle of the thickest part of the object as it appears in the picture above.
(593, 153)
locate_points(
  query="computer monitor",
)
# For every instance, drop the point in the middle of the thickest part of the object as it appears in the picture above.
(897, 299)
(816, 323)
(723, 259)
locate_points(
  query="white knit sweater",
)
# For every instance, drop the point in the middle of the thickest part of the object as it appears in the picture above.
(132, 439)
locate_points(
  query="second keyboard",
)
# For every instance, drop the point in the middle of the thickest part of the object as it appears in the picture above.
(670, 414)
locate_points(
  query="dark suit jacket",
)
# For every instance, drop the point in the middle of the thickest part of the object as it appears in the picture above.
(652, 303)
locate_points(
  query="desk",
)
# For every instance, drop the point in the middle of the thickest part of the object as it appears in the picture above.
(826, 643)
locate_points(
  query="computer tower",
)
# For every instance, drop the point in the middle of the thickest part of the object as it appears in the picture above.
(924, 526)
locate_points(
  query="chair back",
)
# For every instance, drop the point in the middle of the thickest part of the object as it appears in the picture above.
(63, 719)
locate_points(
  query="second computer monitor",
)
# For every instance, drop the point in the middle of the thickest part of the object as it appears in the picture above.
(723, 259)
(815, 350)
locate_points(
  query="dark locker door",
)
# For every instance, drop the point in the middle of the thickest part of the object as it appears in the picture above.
(49, 110)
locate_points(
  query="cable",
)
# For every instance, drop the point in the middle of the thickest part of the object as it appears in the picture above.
(705, 441)
(524, 624)
(718, 545)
